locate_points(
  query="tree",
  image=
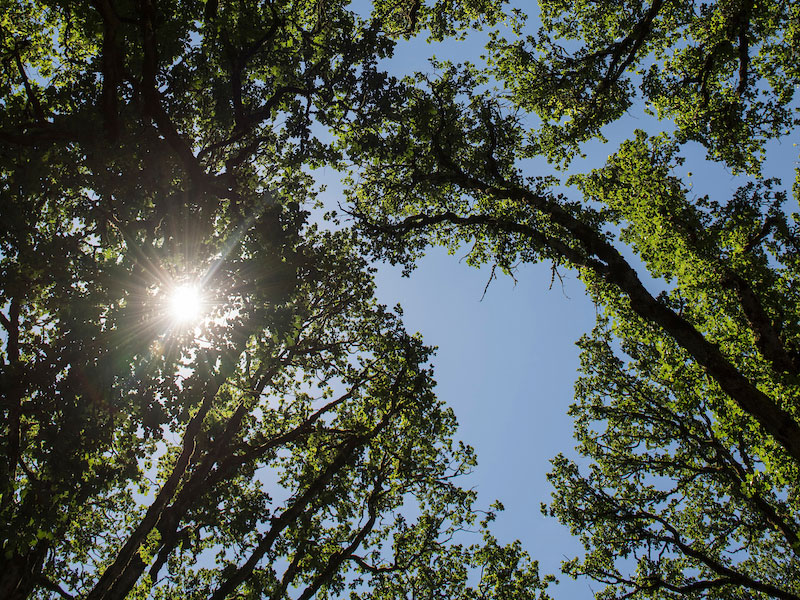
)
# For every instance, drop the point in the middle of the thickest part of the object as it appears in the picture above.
(688, 406)
(285, 443)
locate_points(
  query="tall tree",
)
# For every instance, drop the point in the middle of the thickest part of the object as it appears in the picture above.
(271, 444)
(695, 427)
(687, 495)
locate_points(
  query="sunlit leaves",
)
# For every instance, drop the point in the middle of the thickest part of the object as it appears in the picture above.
(722, 74)
(690, 490)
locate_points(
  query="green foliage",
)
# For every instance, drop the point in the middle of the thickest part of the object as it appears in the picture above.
(683, 496)
(287, 443)
(724, 73)
(686, 494)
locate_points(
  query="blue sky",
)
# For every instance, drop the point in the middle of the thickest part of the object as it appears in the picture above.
(506, 365)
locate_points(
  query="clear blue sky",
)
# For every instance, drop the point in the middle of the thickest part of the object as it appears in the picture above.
(506, 365)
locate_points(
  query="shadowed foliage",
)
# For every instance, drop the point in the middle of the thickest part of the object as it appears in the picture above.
(287, 443)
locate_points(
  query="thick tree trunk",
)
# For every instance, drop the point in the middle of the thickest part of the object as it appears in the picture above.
(20, 573)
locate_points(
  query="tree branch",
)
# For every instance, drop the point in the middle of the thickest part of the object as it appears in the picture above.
(600, 256)
(29, 92)
(295, 510)
(54, 587)
(119, 577)
(337, 558)
(767, 338)
(112, 67)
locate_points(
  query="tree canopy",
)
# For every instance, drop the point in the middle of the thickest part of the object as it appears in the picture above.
(688, 403)
(287, 442)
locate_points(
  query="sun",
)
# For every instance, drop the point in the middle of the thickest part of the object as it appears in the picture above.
(186, 304)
